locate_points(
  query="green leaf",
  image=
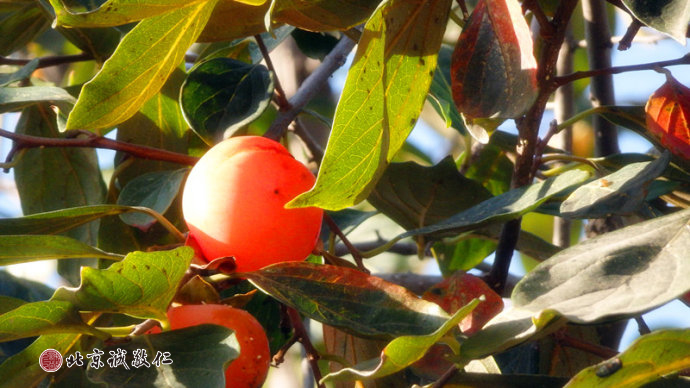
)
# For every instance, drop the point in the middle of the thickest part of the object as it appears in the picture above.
(199, 357)
(159, 124)
(511, 327)
(384, 93)
(14, 99)
(139, 67)
(622, 192)
(115, 12)
(58, 221)
(57, 178)
(219, 30)
(504, 207)
(481, 380)
(22, 370)
(351, 300)
(324, 15)
(20, 26)
(24, 289)
(154, 190)
(491, 166)
(98, 42)
(440, 94)
(613, 275)
(16, 249)
(415, 196)
(222, 95)
(650, 357)
(403, 351)
(314, 45)
(142, 285)
(670, 17)
(23, 73)
(8, 303)
(45, 317)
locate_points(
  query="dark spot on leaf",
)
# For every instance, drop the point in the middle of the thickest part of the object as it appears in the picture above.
(609, 367)
(422, 61)
(148, 267)
(412, 121)
(119, 270)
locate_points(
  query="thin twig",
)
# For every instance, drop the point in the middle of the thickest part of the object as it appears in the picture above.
(449, 374)
(303, 338)
(598, 350)
(545, 27)
(310, 87)
(626, 40)
(94, 141)
(353, 251)
(642, 326)
(463, 7)
(281, 98)
(558, 81)
(48, 61)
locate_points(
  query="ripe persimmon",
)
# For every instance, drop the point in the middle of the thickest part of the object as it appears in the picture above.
(249, 370)
(233, 203)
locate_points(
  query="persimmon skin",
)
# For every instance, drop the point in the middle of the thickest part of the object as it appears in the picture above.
(233, 203)
(250, 369)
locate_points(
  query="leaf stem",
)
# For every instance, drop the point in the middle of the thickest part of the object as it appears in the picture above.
(163, 221)
(281, 98)
(356, 255)
(118, 331)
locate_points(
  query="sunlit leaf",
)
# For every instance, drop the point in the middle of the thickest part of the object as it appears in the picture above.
(22, 370)
(142, 285)
(622, 192)
(349, 299)
(403, 351)
(668, 116)
(222, 95)
(115, 12)
(16, 249)
(650, 357)
(137, 70)
(613, 275)
(45, 317)
(199, 355)
(383, 96)
(324, 15)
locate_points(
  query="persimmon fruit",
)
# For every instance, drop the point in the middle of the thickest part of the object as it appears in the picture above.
(249, 370)
(234, 204)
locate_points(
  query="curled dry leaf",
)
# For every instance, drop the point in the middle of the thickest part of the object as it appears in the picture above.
(668, 111)
(493, 69)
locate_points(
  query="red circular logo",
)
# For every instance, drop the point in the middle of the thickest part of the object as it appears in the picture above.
(50, 360)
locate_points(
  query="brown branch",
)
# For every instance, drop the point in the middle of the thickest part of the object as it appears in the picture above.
(546, 29)
(447, 375)
(528, 131)
(558, 81)
(302, 337)
(281, 97)
(94, 141)
(630, 33)
(598, 350)
(48, 61)
(353, 251)
(310, 87)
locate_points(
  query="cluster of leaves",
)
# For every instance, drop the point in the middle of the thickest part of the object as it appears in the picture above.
(139, 83)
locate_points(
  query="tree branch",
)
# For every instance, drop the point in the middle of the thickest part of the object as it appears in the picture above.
(684, 60)
(303, 337)
(281, 98)
(94, 141)
(310, 87)
(528, 131)
(48, 61)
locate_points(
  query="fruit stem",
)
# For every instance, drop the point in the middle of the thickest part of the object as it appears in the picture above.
(163, 221)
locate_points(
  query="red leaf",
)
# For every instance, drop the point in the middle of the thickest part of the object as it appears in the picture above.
(668, 111)
(457, 291)
(493, 67)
